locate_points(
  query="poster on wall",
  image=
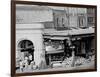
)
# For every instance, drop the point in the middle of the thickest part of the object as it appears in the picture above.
(52, 38)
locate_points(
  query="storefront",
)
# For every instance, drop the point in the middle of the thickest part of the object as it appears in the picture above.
(55, 49)
(84, 44)
(58, 47)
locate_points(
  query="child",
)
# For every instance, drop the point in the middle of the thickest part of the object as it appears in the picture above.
(34, 65)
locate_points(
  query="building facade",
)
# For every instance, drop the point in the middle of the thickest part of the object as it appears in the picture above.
(71, 28)
(50, 34)
(29, 30)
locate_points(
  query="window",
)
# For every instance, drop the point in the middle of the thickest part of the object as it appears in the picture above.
(57, 22)
(90, 11)
(63, 25)
(90, 20)
(81, 21)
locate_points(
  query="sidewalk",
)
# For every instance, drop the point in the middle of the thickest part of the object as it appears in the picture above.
(85, 66)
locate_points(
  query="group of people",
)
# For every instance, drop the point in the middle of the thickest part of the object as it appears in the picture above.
(27, 63)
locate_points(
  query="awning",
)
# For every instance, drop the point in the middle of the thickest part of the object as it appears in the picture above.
(56, 38)
(56, 51)
(82, 31)
(59, 38)
(63, 33)
(25, 49)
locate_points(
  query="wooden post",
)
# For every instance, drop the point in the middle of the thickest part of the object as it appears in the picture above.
(73, 58)
(49, 59)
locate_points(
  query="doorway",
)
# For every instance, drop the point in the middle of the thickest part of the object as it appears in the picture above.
(27, 48)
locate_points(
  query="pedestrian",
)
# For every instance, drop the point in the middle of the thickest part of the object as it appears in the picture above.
(21, 65)
(26, 62)
(33, 65)
(30, 58)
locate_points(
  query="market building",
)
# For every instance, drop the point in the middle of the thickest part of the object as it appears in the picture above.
(29, 30)
(71, 28)
(51, 34)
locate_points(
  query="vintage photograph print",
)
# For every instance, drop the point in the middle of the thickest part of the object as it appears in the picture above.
(53, 38)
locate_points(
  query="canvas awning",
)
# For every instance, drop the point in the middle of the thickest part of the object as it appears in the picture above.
(55, 51)
(56, 38)
(63, 33)
(59, 38)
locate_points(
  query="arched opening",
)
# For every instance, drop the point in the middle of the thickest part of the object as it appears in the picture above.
(27, 48)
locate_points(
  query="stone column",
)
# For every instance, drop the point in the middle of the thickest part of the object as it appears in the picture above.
(39, 51)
